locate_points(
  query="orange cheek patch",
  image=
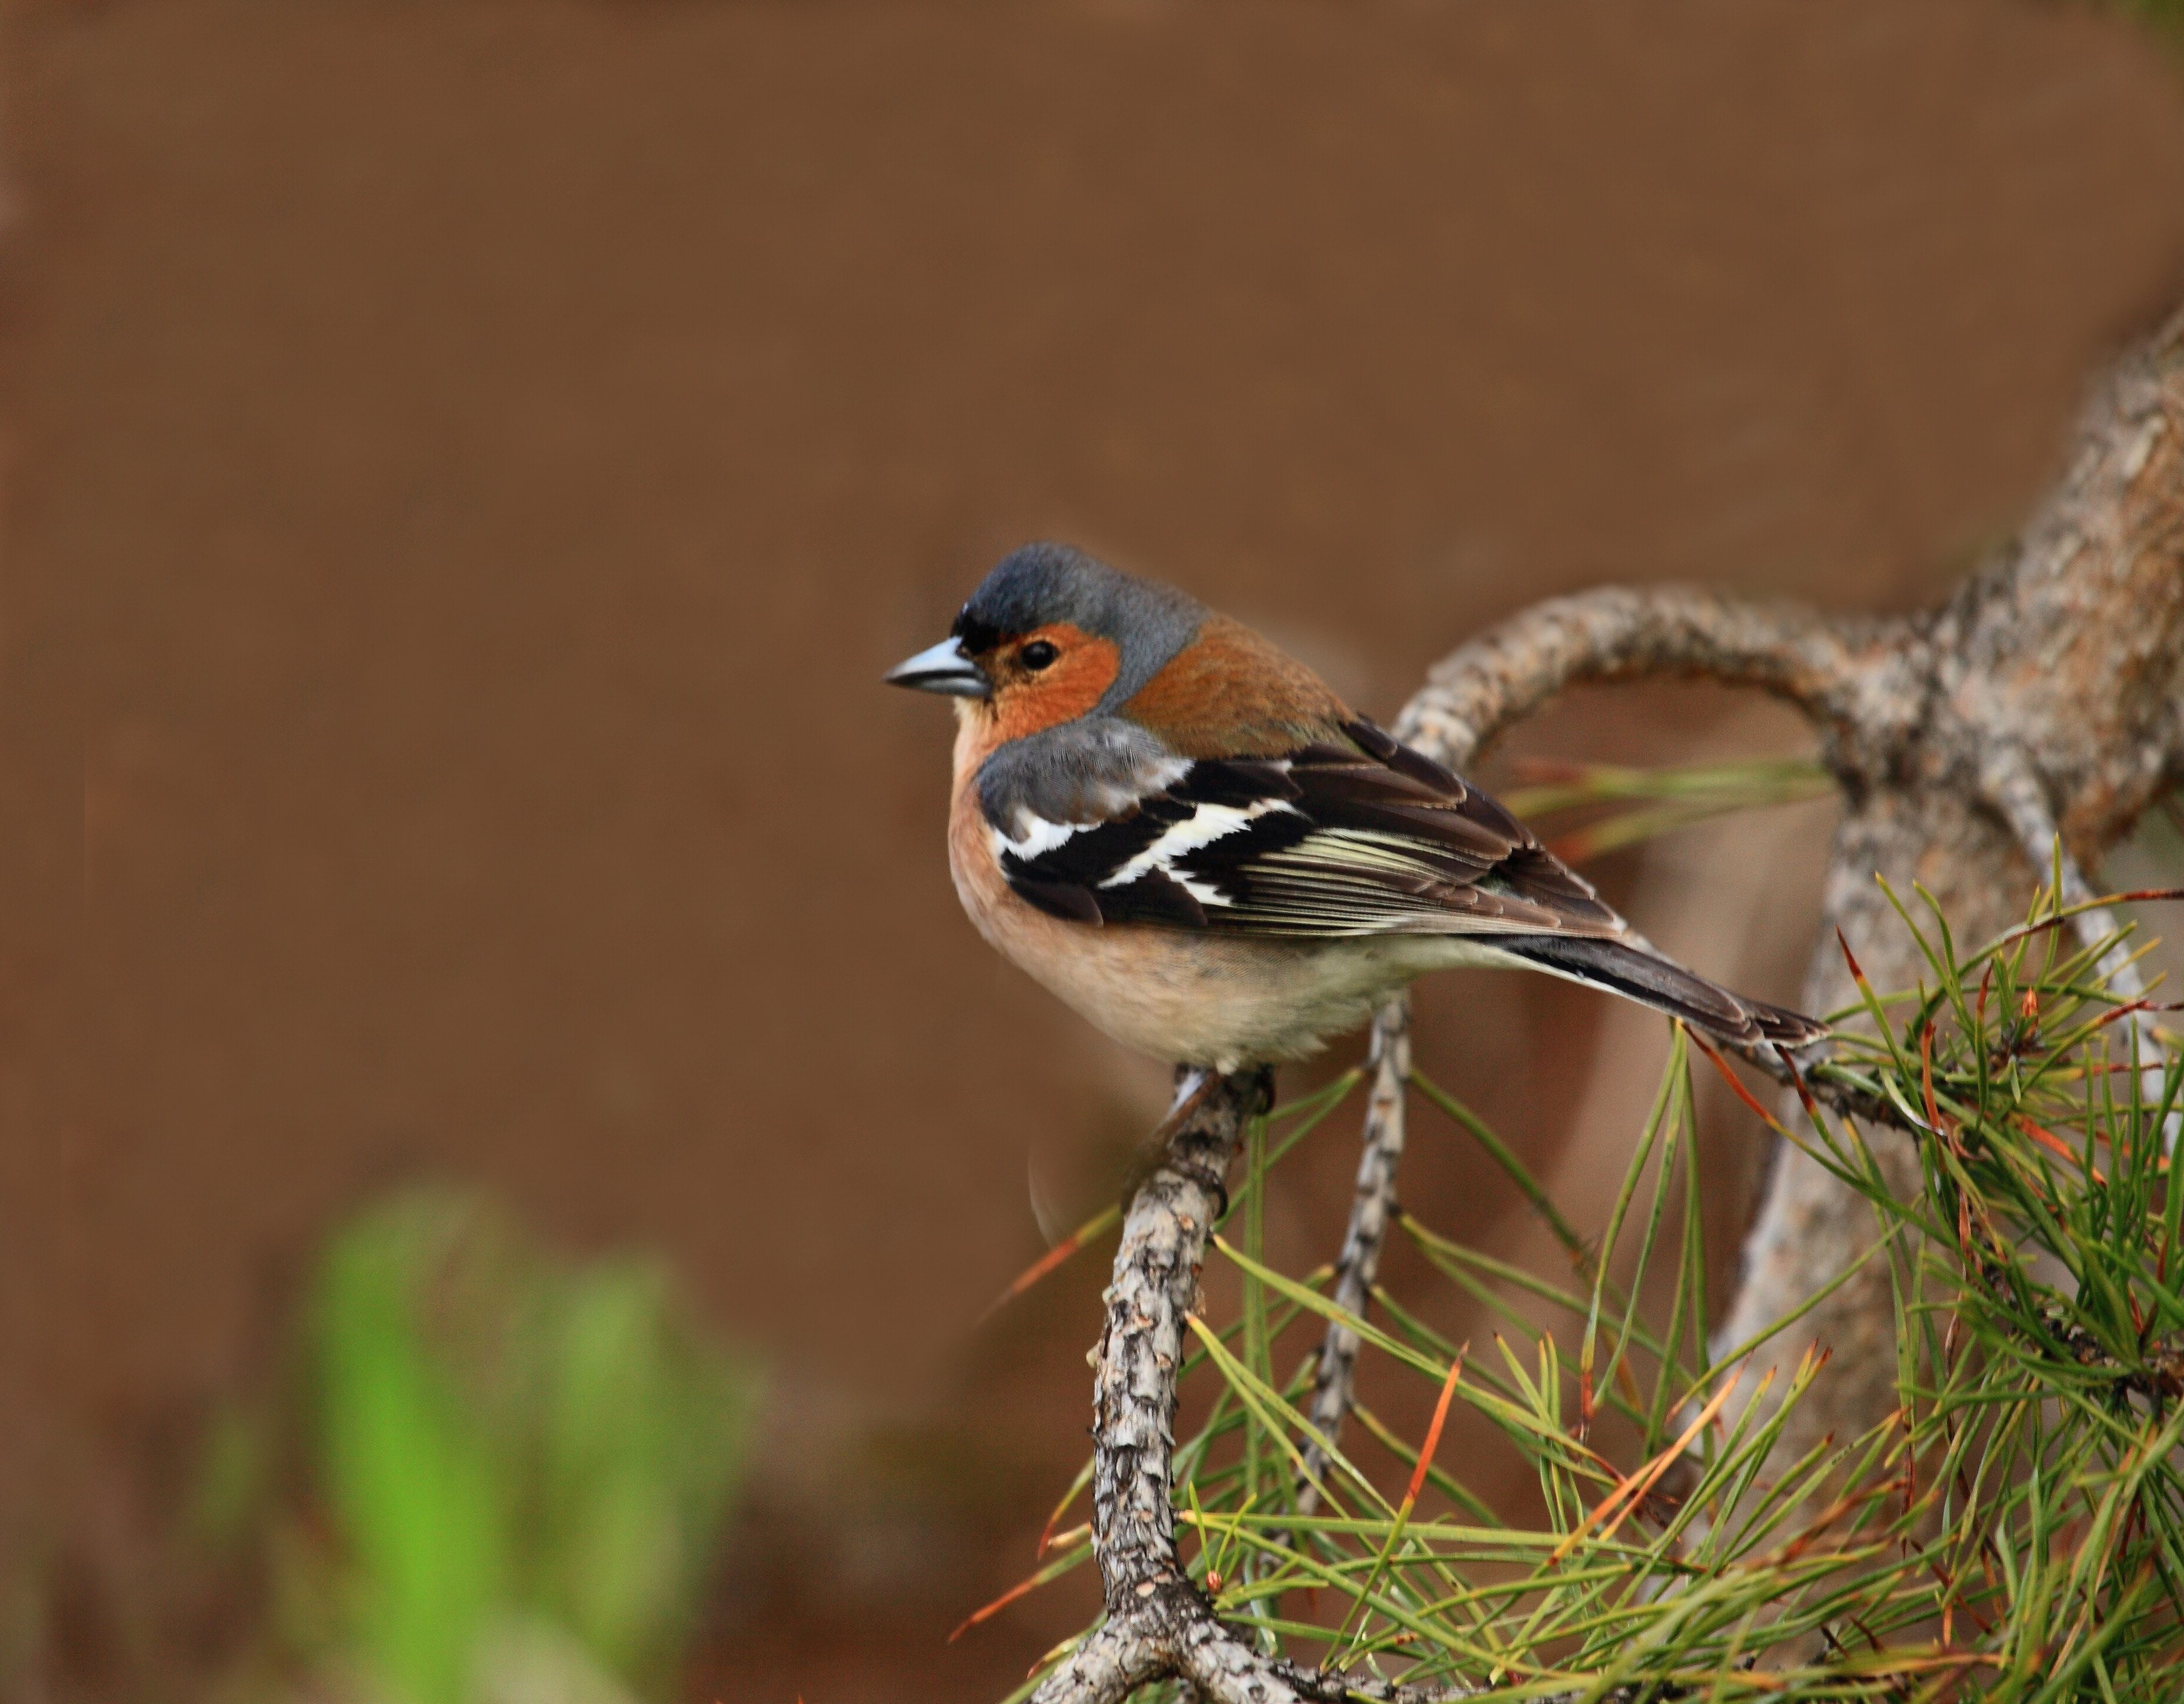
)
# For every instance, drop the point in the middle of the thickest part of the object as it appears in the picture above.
(1065, 690)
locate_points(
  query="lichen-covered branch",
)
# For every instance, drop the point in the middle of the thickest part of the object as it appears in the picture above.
(1152, 1603)
(1154, 1291)
(1158, 1623)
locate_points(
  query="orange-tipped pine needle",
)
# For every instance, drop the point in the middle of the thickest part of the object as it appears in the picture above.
(2125, 1009)
(1051, 1259)
(1047, 1535)
(1019, 1589)
(1069, 1540)
(1433, 1434)
(2055, 1144)
(1735, 1081)
(1850, 958)
(1630, 1493)
(1819, 1526)
(2136, 896)
(1410, 1501)
(1798, 1081)
(1926, 1077)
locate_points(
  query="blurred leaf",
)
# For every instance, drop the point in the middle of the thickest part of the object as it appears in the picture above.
(230, 1488)
(415, 1488)
(507, 1479)
(528, 1661)
(642, 1432)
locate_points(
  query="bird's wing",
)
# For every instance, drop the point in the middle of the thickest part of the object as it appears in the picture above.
(1367, 838)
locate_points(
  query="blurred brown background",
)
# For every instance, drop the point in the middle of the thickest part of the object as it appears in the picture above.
(468, 464)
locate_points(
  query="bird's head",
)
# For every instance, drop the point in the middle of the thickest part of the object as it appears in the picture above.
(1051, 635)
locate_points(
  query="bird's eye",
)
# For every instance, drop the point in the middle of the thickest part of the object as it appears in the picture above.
(1038, 654)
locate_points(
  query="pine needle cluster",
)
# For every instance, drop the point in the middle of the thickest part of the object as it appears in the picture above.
(2013, 1531)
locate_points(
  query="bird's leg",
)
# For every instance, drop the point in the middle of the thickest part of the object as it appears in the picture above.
(1192, 1084)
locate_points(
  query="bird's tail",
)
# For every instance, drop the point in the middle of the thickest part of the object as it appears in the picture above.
(1638, 973)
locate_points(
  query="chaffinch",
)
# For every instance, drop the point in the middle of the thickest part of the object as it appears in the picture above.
(1185, 834)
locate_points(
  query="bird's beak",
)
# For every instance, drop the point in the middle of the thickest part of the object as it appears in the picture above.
(943, 669)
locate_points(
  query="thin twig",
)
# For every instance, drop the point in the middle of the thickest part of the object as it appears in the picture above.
(1358, 1265)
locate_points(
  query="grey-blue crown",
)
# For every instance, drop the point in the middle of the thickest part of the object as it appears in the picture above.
(1043, 583)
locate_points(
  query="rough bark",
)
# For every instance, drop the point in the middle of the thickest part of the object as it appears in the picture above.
(2045, 698)
(1157, 1621)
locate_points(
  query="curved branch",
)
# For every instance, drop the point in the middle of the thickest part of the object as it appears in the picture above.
(1820, 664)
(1498, 679)
(1829, 669)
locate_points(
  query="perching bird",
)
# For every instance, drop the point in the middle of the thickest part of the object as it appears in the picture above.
(1185, 834)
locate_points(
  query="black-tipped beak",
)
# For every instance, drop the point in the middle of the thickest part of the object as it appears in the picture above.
(943, 669)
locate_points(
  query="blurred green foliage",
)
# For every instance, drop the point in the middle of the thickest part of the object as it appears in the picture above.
(507, 1472)
(2163, 18)
(2167, 14)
